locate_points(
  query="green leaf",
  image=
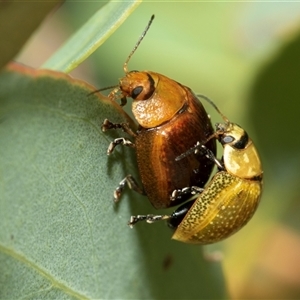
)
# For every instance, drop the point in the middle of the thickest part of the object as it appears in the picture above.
(91, 35)
(18, 19)
(61, 237)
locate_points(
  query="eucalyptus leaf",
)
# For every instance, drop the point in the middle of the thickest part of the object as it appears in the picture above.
(60, 234)
(91, 35)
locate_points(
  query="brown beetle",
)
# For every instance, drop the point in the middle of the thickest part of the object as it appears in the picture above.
(171, 120)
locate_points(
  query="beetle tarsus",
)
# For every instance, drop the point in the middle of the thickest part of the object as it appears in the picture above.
(119, 141)
(192, 190)
(148, 218)
(132, 184)
(108, 125)
(119, 190)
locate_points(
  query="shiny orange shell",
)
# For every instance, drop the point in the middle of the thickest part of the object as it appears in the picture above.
(166, 136)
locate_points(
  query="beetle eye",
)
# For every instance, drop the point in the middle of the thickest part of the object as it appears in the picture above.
(242, 142)
(136, 91)
(227, 139)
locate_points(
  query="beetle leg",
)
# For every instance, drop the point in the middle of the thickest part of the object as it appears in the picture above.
(210, 155)
(178, 215)
(119, 141)
(203, 150)
(173, 220)
(177, 194)
(132, 184)
(123, 101)
(197, 149)
(107, 125)
(148, 218)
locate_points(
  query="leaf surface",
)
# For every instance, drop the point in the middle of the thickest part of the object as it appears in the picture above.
(60, 234)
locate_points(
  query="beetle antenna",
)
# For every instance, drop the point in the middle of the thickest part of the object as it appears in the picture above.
(214, 106)
(137, 44)
(102, 89)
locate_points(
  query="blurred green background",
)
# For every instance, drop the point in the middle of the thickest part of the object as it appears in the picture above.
(246, 57)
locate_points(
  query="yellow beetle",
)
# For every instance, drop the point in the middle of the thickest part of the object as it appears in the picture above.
(229, 200)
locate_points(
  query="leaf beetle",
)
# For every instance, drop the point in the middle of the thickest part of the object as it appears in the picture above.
(171, 120)
(229, 200)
